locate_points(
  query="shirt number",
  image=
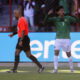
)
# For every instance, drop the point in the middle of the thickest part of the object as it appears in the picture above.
(63, 23)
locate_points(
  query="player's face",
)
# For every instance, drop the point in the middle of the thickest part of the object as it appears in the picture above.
(16, 14)
(61, 12)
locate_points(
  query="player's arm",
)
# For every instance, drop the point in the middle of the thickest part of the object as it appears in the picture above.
(14, 31)
(49, 19)
(12, 34)
(74, 18)
(22, 35)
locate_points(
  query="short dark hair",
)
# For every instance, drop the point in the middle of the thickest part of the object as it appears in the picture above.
(58, 8)
(19, 10)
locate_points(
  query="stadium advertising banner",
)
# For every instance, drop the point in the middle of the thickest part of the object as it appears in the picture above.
(42, 46)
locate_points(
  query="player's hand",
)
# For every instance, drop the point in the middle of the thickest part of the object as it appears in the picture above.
(20, 43)
(73, 14)
(50, 12)
(11, 35)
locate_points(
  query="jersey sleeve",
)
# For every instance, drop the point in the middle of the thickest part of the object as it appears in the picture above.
(74, 19)
(22, 25)
(48, 19)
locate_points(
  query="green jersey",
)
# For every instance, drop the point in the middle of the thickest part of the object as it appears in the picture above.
(62, 25)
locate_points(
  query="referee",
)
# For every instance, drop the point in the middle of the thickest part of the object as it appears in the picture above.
(23, 42)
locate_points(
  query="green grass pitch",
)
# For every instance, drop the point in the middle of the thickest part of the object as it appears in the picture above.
(30, 73)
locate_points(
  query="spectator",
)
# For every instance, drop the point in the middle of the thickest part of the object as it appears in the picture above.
(70, 3)
(21, 6)
(52, 4)
(29, 13)
(0, 7)
(41, 18)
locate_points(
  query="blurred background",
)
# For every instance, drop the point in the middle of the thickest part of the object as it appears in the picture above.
(36, 15)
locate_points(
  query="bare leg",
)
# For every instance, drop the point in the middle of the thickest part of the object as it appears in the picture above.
(29, 55)
(17, 53)
(14, 70)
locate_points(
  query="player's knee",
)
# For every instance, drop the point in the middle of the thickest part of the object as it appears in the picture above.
(68, 54)
(56, 53)
(28, 54)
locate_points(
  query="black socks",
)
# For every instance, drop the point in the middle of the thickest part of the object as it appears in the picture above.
(31, 57)
(35, 61)
(16, 62)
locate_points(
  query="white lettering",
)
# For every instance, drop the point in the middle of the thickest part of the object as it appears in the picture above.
(39, 48)
(46, 47)
(73, 49)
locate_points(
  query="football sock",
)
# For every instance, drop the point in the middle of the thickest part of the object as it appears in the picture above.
(55, 62)
(16, 62)
(70, 62)
(35, 61)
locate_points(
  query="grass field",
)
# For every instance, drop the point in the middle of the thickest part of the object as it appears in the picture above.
(30, 73)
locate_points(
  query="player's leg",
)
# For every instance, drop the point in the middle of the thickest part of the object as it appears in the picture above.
(30, 56)
(17, 58)
(57, 49)
(56, 61)
(17, 53)
(26, 48)
(67, 49)
(70, 61)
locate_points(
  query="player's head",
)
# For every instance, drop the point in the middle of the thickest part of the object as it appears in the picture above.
(60, 10)
(17, 13)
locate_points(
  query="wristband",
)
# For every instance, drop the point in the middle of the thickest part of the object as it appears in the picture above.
(14, 33)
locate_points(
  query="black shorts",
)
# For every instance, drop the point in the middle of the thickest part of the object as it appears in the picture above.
(25, 44)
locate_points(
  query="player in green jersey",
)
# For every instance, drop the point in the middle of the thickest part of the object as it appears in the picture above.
(62, 24)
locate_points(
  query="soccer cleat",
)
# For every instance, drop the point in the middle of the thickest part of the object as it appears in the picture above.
(12, 71)
(54, 71)
(72, 71)
(41, 69)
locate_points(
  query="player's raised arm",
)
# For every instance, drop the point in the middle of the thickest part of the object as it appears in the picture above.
(49, 19)
(74, 18)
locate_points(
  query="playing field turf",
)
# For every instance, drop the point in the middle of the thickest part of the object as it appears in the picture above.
(30, 73)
